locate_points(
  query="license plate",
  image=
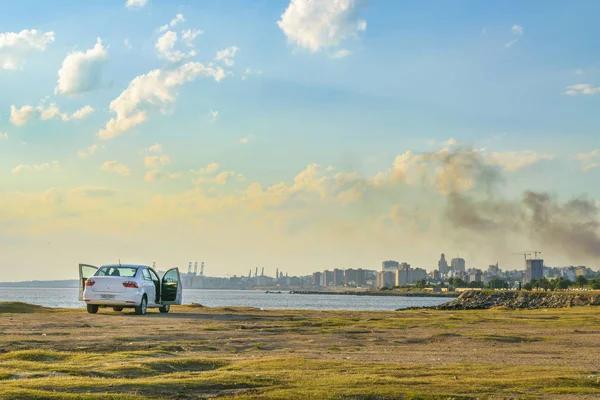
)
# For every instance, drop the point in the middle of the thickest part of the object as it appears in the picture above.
(108, 296)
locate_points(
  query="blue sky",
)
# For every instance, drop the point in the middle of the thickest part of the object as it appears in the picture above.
(348, 85)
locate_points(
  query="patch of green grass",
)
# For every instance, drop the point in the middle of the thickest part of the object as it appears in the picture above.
(334, 348)
(259, 346)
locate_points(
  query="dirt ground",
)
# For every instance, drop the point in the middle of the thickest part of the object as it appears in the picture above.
(456, 354)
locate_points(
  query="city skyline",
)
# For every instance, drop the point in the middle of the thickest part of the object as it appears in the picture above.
(296, 135)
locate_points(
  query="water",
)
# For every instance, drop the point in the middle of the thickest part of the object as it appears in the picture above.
(67, 298)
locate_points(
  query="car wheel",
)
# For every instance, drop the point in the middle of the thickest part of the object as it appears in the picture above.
(117, 309)
(92, 308)
(141, 309)
(165, 309)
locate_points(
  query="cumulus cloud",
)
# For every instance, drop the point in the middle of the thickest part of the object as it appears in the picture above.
(156, 161)
(518, 31)
(157, 175)
(250, 71)
(53, 165)
(188, 36)
(209, 169)
(244, 140)
(89, 151)
(95, 192)
(136, 3)
(81, 71)
(516, 160)
(3, 135)
(165, 48)
(155, 148)
(226, 55)
(586, 159)
(154, 88)
(213, 115)
(16, 47)
(580, 89)
(315, 25)
(116, 167)
(341, 53)
(20, 116)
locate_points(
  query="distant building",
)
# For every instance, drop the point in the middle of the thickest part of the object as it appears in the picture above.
(534, 269)
(435, 275)
(494, 269)
(338, 277)
(403, 275)
(418, 274)
(475, 276)
(458, 264)
(443, 265)
(390, 265)
(316, 278)
(385, 279)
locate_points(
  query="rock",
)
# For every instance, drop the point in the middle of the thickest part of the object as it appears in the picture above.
(481, 299)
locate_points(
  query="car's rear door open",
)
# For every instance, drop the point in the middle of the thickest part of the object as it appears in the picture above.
(85, 272)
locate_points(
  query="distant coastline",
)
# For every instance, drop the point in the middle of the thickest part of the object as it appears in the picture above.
(377, 293)
(64, 283)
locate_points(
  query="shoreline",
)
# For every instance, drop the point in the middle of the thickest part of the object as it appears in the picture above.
(374, 293)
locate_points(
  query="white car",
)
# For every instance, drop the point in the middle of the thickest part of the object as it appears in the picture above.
(128, 286)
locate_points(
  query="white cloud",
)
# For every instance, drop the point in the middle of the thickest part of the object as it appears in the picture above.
(156, 148)
(226, 55)
(15, 47)
(154, 88)
(244, 140)
(249, 71)
(82, 71)
(315, 25)
(20, 116)
(178, 18)
(590, 166)
(54, 165)
(94, 192)
(518, 31)
(190, 35)
(165, 48)
(4, 135)
(341, 53)
(516, 160)
(588, 156)
(115, 166)
(156, 161)
(127, 44)
(136, 3)
(156, 175)
(89, 151)
(581, 88)
(209, 169)
(578, 71)
(213, 115)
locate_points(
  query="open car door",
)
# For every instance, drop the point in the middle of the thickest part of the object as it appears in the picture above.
(85, 272)
(171, 288)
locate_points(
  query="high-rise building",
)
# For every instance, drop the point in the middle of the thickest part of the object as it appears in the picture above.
(443, 265)
(338, 277)
(385, 279)
(534, 269)
(403, 274)
(390, 265)
(316, 278)
(458, 264)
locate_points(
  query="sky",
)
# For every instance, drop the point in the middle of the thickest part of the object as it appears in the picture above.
(296, 134)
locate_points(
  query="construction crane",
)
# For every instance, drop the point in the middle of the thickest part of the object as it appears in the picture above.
(528, 253)
(525, 254)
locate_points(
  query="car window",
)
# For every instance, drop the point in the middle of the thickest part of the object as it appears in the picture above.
(154, 276)
(128, 272)
(146, 275)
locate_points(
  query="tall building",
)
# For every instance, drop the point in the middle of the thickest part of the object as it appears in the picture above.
(316, 278)
(338, 277)
(534, 269)
(390, 265)
(443, 265)
(385, 279)
(458, 264)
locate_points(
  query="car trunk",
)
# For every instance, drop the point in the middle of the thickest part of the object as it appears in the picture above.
(109, 284)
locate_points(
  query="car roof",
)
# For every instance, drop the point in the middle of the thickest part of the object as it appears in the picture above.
(125, 265)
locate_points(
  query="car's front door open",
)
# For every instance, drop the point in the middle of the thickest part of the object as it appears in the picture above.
(170, 291)
(85, 272)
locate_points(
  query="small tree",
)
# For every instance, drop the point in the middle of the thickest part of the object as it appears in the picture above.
(528, 286)
(421, 284)
(580, 280)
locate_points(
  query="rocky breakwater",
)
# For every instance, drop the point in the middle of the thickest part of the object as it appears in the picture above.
(481, 300)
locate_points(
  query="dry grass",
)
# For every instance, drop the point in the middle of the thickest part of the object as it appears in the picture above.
(199, 352)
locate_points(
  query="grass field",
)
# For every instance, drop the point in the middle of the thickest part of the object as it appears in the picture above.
(197, 352)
